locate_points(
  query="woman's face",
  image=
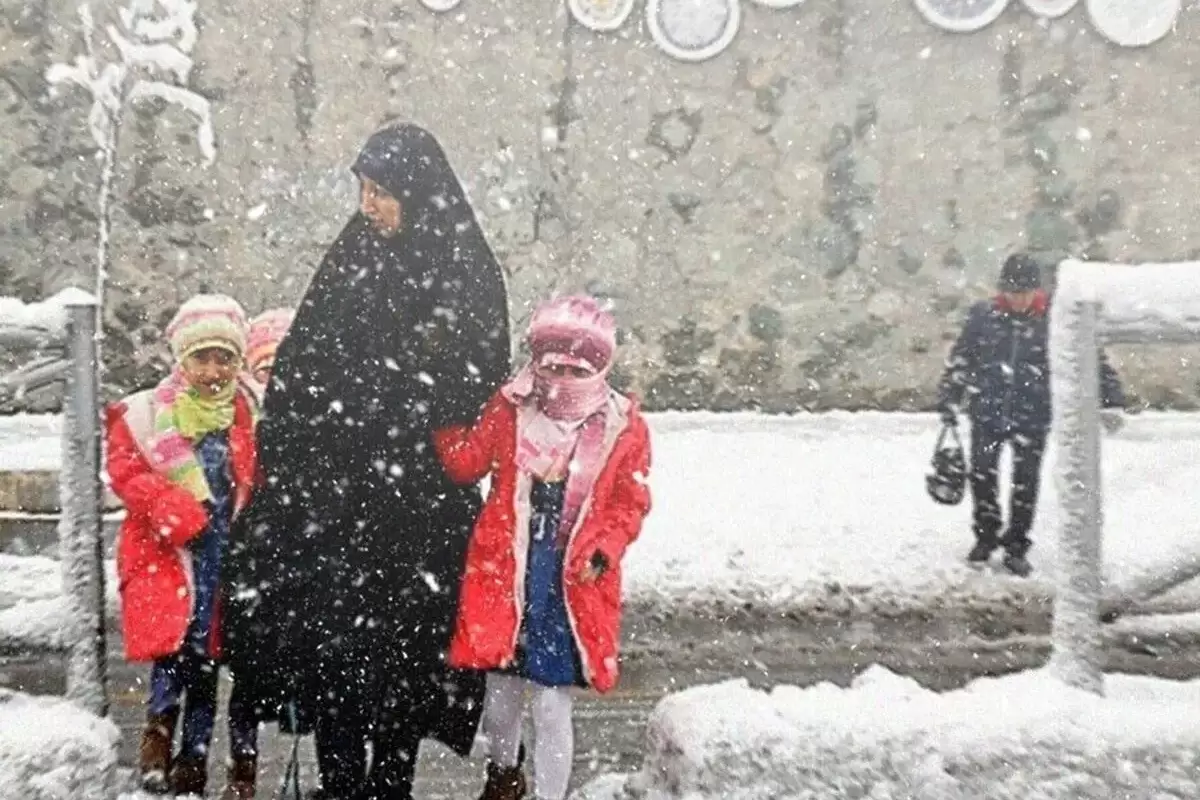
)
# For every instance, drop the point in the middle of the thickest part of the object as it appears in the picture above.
(210, 370)
(383, 210)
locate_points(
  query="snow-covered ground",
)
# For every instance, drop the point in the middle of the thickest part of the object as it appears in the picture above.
(886, 738)
(52, 750)
(826, 510)
(33, 612)
(829, 510)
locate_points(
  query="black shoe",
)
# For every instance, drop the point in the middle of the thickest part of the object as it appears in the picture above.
(980, 554)
(1017, 565)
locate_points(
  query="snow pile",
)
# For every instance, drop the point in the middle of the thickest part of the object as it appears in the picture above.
(1024, 736)
(1143, 303)
(28, 579)
(47, 318)
(33, 610)
(51, 750)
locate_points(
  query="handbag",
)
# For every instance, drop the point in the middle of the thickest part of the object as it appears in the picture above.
(946, 481)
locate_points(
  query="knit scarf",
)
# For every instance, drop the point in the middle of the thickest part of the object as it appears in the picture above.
(566, 420)
(181, 418)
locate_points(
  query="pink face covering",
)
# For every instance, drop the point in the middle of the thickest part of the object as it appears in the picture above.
(570, 399)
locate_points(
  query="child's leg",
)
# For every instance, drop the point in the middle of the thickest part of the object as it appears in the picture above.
(199, 707)
(502, 717)
(554, 741)
(166, 687)
(162, 711)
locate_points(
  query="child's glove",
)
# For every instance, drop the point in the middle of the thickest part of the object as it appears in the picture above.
(596, 567)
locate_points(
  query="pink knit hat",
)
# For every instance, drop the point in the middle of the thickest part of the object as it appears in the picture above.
(575, 331)
(266, 332)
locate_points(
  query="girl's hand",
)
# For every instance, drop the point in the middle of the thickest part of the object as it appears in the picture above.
(596, 567)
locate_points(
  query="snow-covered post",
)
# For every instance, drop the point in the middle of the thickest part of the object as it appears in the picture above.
(81, 544)
(1074, 372)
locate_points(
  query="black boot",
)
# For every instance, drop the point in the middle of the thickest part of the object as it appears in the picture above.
(504, 783)
(1018, 565)
(980, 553)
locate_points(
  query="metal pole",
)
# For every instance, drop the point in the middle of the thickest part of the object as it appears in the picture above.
(80, 539)
(1076, 630)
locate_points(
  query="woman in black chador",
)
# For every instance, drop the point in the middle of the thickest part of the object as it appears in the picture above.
(346, 568)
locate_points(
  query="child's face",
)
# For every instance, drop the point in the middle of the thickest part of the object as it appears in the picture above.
(564, 371)
(262, 373)
(210, 370)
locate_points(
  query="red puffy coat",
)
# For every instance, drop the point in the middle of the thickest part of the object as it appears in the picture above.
(491, 601)
(154, 568)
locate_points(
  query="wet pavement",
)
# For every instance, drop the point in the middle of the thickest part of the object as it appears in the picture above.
(671, 654)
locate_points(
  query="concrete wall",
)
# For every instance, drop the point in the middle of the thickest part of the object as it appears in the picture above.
(797, 222)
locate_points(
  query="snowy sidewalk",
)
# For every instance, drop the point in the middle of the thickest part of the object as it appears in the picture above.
(827, 512)
(821, 511)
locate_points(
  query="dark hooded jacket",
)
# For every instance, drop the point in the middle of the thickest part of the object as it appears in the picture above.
(1000, 365)
(356, 539)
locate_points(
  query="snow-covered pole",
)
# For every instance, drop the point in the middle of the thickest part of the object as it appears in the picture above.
(1075, 387)
(80, 542)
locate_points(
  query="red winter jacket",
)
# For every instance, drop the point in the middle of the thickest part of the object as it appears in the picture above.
(153, 564)
(492, 598)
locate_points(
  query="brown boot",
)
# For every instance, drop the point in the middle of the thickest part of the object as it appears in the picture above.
(504, 783)
(189, 775)
(154, 752)
(241, 779)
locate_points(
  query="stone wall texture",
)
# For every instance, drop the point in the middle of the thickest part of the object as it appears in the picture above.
(799, 222)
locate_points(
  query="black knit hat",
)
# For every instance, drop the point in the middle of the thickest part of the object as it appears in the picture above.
(1020, 273)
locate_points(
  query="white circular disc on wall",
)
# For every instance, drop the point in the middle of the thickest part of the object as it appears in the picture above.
(441, 6)
(779, 3)
(693, 30)
(1134, 23)
(601, 15)
(961, 16)
(1050, 8)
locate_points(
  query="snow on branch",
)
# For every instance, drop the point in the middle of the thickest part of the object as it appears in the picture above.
(150, 57)
(196, 104)
(178, 20)
(1137, 304)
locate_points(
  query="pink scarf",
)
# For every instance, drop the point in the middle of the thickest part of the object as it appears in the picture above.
(569, 422)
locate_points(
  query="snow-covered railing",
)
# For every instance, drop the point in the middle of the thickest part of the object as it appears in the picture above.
(67, 323)
(1098, 304)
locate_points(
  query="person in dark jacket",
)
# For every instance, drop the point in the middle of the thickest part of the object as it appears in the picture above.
(1000, 366)
(349, 561)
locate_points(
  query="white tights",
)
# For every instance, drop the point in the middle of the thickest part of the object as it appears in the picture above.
(554, 736)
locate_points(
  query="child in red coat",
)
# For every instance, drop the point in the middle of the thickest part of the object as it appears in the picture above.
(182, 459)
(540, 604)
(266, 333)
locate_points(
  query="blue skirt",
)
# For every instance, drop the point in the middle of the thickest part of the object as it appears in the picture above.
(546, 651)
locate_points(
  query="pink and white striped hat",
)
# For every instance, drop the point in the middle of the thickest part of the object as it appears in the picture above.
(573, 331)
